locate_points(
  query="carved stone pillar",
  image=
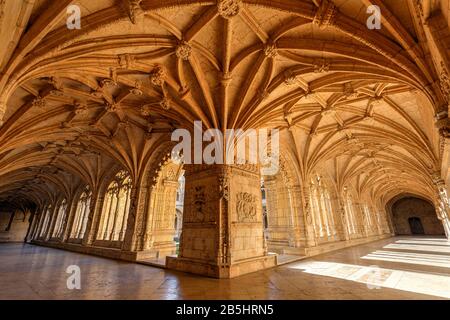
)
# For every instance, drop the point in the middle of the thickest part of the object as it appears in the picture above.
(297, 236)
(342, 223)
(442, 204)
(68, 220)
(223, 234)
(308, 218)
(95, 212)
(136, 237)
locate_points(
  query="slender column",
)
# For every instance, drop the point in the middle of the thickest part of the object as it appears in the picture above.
(71, 211)
(40, 223)
(125, 215)
(108, 215)
(308, 218)
(92, 224)
(83, 217)
(344, 220)
(135, 222)
(223, 234)
(297, 235)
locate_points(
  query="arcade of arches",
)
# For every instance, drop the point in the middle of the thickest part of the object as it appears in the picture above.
(86, 117)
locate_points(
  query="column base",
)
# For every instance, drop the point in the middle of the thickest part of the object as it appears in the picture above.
(236, 269)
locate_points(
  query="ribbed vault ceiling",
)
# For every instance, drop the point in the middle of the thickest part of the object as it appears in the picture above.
(353, 103)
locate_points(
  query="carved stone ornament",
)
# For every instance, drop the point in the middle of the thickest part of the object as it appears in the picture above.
(224, 187)
(199, 203)
(246, 207)
(326, 14)
(444, 81)
(80, 108)
(183, 51)
(158, 76)
(270, 50)
(229, 8)
(134, 10)
(39, 102)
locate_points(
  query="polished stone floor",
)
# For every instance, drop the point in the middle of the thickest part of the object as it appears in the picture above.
(397, 268)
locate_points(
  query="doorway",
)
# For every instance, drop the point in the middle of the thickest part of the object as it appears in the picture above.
(416, 226)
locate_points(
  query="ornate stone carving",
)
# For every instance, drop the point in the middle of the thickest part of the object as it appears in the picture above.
(137, 89)
(80, 108)
(246, 207)
(112, 107)
(183, 50)
(289, 78)
(228, 8)
(326, 14)
(158, 76)
(134, 10)
(127, 61)
(166, 103)
(270, 50)
(39, 102)
(444, 81)
(321, 65)
(199, 203)
(224, 191)
(349, 91)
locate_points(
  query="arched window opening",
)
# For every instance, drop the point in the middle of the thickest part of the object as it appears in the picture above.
(116, 207)
(60, 218)
(45, 221)
(81, 214)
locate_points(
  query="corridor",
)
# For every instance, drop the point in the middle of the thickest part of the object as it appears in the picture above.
(396, 268)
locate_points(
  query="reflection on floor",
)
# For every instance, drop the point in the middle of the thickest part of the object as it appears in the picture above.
(406, 268)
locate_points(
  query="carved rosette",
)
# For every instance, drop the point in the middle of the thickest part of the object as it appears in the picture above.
(39, 102)
(112, 107)
(183, 51)
(270, 51)
(229, 8)
(158, 76)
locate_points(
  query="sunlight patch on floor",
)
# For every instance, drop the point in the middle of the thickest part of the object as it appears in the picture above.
(375, 277)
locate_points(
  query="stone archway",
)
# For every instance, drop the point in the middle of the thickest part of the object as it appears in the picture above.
(162, 212)
(284, 229)
(409, 210)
